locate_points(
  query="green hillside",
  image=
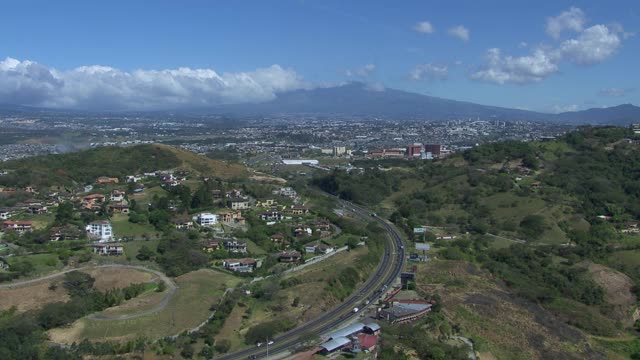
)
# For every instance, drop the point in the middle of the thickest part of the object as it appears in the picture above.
(548, 220)
(86, 166)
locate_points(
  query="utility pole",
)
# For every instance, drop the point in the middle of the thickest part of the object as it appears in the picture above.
(267, 358)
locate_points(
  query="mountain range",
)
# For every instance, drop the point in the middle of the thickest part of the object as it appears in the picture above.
(360, 99)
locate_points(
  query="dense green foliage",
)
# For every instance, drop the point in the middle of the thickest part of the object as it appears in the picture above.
(369, 188)
(87, 166)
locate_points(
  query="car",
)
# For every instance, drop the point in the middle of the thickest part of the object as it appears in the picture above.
(252, 357)
(259, 344)
(270, 342)
(355, 310)
(373, 214)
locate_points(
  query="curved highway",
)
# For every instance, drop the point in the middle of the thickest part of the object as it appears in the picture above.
(388, 270)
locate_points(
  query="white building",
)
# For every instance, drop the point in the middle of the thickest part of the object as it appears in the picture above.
(100, 230)
(339, 150)
(207, 219)
(300, 162)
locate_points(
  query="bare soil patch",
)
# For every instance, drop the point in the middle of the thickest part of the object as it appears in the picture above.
(117, 278)
(33, 296)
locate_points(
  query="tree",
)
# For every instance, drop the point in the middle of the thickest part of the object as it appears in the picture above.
(64, 213)
(532, 226)
(78, 283)
(145, 253)
(222, 345)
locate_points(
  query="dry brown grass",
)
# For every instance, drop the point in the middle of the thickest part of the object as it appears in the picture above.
(204, 165)
(32, 296)
(507, 327)
(117, 278)
(618, 295)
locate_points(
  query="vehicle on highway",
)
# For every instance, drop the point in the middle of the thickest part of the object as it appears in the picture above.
(259, 344)
(270, 342)
(355, 310)
(373, 214)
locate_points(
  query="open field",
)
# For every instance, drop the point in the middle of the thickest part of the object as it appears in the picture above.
(123, 228)
(43, 263)
(197, 291)
(35, 295)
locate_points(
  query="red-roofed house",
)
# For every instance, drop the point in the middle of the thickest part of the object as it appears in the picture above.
(19, 226)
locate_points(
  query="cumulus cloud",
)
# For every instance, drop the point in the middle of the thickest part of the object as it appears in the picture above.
(591, 46)
(503, 69)
(102, 87)
(362, 71)
(572, 19)
(424, 27)
(459, 32)
(429, 72)
(615, 92)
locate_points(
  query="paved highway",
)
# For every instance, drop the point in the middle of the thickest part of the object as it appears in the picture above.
(388, 270)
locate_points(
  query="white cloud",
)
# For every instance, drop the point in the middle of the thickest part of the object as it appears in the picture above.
(363, 71)
(564, 108)
(504, 69)
(424, 27)
(523, 44)
(101, 87)
(572, 19)
(429, 72)
(592, 46)
(459, 32)
(615, 92)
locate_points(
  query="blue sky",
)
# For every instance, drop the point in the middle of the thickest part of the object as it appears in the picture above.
(543, 55)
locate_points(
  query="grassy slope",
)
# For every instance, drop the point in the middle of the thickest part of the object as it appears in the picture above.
(197, 291)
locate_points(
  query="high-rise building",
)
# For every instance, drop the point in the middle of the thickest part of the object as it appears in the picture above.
(414, 150)
(434, 149)
(339, 150)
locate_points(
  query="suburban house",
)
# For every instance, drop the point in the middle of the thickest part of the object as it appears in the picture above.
(317, 247)
(356, 337)
(267, 203)
(239, 204)
(298, 210)
(286, 191)
(100, 230)
(207, 219)
(117, 196)
(6, 213)
(66, 232)
(235, 246)
(289, 256)
(211, 245)
(108, 249)
(133, 178)
(272, 216)
(182, 224)
(231, 217)
(322, 225)
(93, 201)
(107, 180)
(18, 226)
(240, 265)
(277, 238)
(119, 209)
(301, 231)
(216, 194)
(37, 209)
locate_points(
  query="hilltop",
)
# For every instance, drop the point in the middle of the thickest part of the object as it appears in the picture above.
(86, 166)
(547, 232)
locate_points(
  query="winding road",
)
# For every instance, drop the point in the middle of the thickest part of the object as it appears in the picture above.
(171, 289)
(390, 266)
